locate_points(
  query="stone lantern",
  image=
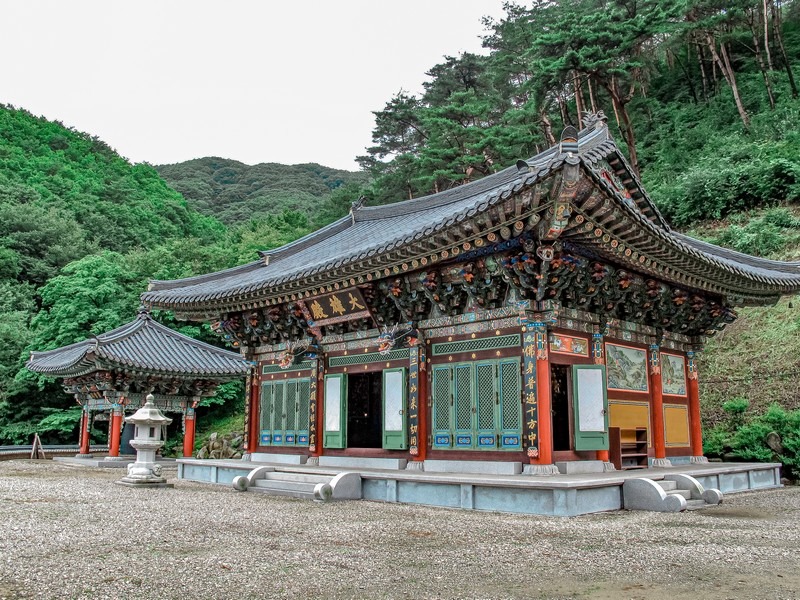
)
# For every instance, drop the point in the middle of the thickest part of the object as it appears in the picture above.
(148, 422)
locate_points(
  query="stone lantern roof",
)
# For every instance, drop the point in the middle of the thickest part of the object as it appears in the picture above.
(149, 414)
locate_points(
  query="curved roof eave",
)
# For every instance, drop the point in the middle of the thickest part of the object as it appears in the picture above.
(145, 345)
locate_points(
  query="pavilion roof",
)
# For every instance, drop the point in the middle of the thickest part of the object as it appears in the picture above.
(143, 345)
(369, 233)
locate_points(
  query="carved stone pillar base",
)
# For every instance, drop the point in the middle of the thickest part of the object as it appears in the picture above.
(312, 461)
(661, 463)
(540, 470)
(698, 460)
(415, 465)
(117, 458)
(608, 467)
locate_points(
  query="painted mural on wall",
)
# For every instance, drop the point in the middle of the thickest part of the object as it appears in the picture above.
(673, 375)
(626, 368)
(567, 344)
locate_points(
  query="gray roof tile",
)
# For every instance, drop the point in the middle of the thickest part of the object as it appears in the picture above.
(142, 345)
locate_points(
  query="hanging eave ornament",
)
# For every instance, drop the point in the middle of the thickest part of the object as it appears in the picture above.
(391, 338)
(299, 350)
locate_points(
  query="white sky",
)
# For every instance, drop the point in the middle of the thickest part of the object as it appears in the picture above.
(165, 81)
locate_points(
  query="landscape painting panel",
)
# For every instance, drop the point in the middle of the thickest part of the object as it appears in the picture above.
(673, 375)
(626, 368)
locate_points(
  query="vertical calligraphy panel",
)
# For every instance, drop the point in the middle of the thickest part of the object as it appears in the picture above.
(416, 356)
(312, 407)
(530, 407)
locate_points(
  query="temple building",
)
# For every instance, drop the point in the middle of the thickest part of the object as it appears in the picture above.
(113, 373)
(543, 314)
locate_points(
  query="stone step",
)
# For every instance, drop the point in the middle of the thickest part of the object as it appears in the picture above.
(288, 493)
(696, 504)
(685, 493)
(667, 485)
(301, 477)
(282, 484)
(580, 467)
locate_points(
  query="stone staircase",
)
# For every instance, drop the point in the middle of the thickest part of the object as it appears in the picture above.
(674, 493)
(321, 487)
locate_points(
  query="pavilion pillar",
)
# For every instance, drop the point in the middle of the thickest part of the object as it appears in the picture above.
(695, 425)
(537, 400)
(84, 437)
(189, 421)
(657, 406)
(598, 358)
(115, 430)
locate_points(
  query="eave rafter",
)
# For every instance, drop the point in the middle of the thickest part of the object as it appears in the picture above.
(624, 235)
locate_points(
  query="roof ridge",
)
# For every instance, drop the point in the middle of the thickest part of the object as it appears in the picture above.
(757, 261)
(74, 345)
(150, 322)
(168, 284)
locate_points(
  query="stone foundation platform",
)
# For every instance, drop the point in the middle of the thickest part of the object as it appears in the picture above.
(561, 495)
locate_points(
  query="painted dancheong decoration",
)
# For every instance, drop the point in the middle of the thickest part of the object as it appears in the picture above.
(521, 318)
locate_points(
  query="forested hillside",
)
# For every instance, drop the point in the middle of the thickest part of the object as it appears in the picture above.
(81, 233)
(700, 94)
(234, 192)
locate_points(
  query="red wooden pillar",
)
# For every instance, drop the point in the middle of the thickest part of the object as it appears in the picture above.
(189, 429)
(115, 432)
(253, 393)
(84, 438)
(424, 404)
(598, 358)
(544, 396)
(695, 425)
(544, 401)
(657, 409)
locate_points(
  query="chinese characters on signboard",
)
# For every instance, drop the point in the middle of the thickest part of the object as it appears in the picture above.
(338, 307)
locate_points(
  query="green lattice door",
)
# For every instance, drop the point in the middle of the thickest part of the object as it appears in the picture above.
(509, 404)
(291, 408)
(335, 411)
(477, 405)
(463, 406)
(279, 413)
(442, 406)
(283, 412)
(486, 409)
(265, 413)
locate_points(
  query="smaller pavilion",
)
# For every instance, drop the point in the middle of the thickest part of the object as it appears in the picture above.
(115, 371)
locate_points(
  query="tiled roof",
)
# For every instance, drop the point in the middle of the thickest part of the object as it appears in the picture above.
(374, 231)
(368, 231)
(141, 345)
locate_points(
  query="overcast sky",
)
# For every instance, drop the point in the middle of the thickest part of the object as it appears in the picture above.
(165, 81)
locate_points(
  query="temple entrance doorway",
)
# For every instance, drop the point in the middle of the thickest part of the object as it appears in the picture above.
(364, 415)
(559, 381)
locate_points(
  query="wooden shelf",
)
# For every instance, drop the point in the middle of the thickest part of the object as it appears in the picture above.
(628, 448)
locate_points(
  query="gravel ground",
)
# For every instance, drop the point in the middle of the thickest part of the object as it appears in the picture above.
(68, 532)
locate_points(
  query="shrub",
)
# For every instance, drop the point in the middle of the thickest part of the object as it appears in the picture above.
(749, 442)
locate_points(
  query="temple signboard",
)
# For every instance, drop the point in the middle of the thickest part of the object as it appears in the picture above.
(346, 305)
